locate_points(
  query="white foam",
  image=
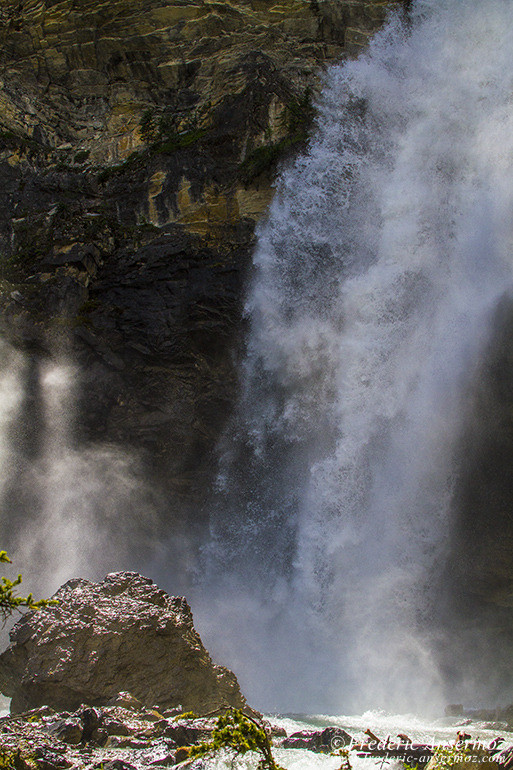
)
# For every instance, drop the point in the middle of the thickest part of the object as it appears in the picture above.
(387, 250)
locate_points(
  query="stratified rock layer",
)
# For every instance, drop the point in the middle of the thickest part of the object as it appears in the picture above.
(123, 633)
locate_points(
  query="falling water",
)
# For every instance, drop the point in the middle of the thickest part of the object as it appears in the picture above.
(68, 507)
(386, 252)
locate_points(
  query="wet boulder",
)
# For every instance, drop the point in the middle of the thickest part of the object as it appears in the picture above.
(186, 732)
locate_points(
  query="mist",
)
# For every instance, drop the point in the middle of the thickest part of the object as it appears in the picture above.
(376, 282)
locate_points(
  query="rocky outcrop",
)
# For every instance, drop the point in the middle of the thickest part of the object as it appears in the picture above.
(119, 737)
(123, 633)
(111, 736)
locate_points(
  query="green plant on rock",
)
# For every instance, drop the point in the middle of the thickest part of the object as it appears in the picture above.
(8, 760)
(296, 121)
(238, 733)
(10, 601)
(148, 127)
(168, 130)
(445, 757)
(81, 156)
(298, 115)
(19, 759)
(185, 715)
(345, 763)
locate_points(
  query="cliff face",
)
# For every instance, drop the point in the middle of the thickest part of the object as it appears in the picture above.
(138, 143)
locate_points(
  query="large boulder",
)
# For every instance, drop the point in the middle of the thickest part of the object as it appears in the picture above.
(123, 633)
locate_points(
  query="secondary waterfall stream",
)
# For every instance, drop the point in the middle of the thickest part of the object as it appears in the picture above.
(385, 255)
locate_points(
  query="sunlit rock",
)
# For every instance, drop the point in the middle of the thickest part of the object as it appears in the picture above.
(122, 634)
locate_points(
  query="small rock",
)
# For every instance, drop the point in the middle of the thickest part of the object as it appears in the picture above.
(155, 730)
(274, 730)
(67, 730)
(162, 753)
(151, 715)
(168, 713)
(181, 754)
(126, 742)
(114, 764)
(125, 700)
(100, 737)
(185, 732)
(115, 727)
(91, 719)
(50, 760)
(329, 739)
(42, 711)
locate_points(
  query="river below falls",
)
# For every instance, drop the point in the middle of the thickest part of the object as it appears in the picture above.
(432, 732)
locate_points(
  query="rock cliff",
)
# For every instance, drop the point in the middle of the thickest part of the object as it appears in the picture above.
(137, 149)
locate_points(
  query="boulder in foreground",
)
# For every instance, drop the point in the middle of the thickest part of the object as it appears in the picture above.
(123, 633)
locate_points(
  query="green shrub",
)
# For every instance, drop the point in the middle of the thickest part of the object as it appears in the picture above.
(296, 121)
(238, 733)
(148, 127)
(10, 601)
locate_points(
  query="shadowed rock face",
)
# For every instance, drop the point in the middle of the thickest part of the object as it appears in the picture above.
(123, 633)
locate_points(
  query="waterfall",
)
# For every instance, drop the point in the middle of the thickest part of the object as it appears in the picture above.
(386, 252)
(68, 507)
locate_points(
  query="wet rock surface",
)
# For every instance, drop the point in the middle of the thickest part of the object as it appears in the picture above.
(123, 633)
(35, 732)
(324, 741)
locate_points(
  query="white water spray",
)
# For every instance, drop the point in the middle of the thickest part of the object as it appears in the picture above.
(68, 508)
(387, 250)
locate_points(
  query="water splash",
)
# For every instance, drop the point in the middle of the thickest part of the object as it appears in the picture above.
(386, 252)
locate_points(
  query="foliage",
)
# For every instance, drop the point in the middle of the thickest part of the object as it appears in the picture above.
(11, 141)
(445, 757)
(238, 733)
(295, 121)
(185, 715)
(264, 159)
(10, 601)
(148, 127)
(168, 130)
(81, 156)
(16, 760)
(7, 760)
(299, 114)
(345, 763)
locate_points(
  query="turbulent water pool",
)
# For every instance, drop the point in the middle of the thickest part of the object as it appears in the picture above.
(435, 732)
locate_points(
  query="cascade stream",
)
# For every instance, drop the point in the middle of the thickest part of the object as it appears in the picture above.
(377, 277)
